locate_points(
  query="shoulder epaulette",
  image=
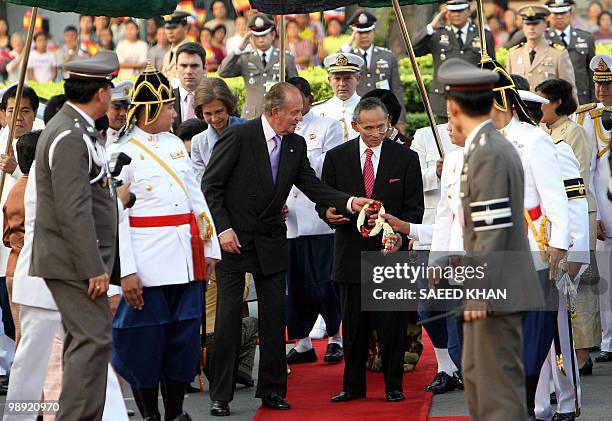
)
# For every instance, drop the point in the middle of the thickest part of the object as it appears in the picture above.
(596, 113)
(383, 49)
(558, 141)
(321, 102)
(558, 46)
(517, 46)
(585, 107)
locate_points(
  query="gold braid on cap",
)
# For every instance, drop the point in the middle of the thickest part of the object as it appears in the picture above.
(151, 88)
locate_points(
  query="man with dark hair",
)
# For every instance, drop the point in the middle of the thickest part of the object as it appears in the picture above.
(370, 165)
(190, 69)
(248, 178)
(310, 287)
(53, 105)
(492, 191)
(76, 226)
(259, 66)
(176, 32)
(188, 129)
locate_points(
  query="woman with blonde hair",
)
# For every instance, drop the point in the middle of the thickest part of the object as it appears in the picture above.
(214, 103)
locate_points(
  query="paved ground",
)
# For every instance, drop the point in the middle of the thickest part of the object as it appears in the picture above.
(596, 395)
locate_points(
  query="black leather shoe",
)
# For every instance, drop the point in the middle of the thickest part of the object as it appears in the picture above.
(345, 397)
(334, 354)
(570, 416)
(458, 379)
(294, 357)
(219, 409)
(442, 383)
(275, 402)
(183, 417)
(604, 357)
(587, 368)
(395, 396)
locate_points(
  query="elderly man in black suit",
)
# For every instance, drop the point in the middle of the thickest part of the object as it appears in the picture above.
(374, 166)
(251, 171)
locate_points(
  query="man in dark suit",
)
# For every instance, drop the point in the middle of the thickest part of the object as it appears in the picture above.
(374, 166)
(251, 171)
(190, 69)
(74, 244)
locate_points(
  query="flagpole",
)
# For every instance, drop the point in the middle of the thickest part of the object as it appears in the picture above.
(18, 95)
(281, 61)
(483, 39)
(417, 75)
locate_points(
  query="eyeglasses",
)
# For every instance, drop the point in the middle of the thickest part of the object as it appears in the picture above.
(374, 129)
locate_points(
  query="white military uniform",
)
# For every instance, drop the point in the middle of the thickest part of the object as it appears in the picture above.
(112, 136)
(447, 237)
(578, 207)
(600, 175)
(341, 111)
(160, 255)
(425, 146)
(40, 323)
(321, 135)
(543, 185)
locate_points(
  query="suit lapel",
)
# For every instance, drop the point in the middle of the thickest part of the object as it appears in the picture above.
(261, 157)
(355, 169)
(384, 165)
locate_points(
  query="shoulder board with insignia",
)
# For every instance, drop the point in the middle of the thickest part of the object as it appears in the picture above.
(517, 46)
(558, 46)
(383, 49)
(585, 107)
(321, 102)
(596, 113)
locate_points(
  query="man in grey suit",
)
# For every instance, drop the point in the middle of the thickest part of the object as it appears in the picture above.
(380, 69)
(74, 245)
(459, 38)
(258, 66)
(494, 240)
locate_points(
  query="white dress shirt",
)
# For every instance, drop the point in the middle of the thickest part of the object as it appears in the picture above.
(375, 156)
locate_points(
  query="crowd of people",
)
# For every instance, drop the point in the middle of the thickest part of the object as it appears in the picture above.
(146, 210)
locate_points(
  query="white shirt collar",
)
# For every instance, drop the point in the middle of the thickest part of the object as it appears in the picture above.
(83, 114)
(137, 131)
(268, 53)
(352, 100)
(472, 135)
(567, 31)
(183, 93)
(463, 29)
(370, 50)
(363, 147)
(269, 132)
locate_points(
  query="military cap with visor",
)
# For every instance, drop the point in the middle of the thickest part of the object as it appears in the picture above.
(363, 21)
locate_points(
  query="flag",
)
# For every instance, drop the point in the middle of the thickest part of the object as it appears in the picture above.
(241, 5)
(27, 17)
(115, 8)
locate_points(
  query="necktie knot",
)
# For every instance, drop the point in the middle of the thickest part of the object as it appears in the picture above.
(369, 153)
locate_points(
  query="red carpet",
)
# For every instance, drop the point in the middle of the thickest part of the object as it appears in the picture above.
(311, 385)
(448, 419)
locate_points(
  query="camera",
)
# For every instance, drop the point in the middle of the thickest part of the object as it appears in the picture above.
(115, 164)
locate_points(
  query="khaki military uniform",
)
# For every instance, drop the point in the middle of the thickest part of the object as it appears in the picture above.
(169, 62)
(581, 49)
(257, 79)
(550, 62)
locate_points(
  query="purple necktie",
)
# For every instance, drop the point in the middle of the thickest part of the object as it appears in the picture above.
(275, 156)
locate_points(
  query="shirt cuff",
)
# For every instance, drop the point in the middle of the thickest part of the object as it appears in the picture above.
(349, 205)
(414, 232)
(430, 30)
(229, 229)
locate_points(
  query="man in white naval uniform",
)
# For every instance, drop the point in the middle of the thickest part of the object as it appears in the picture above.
(589, 117)
(120, 101)
(156, 330)
(431, 170)
(344, 76)
(544, 200)
(577, 259)
(310, 287)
